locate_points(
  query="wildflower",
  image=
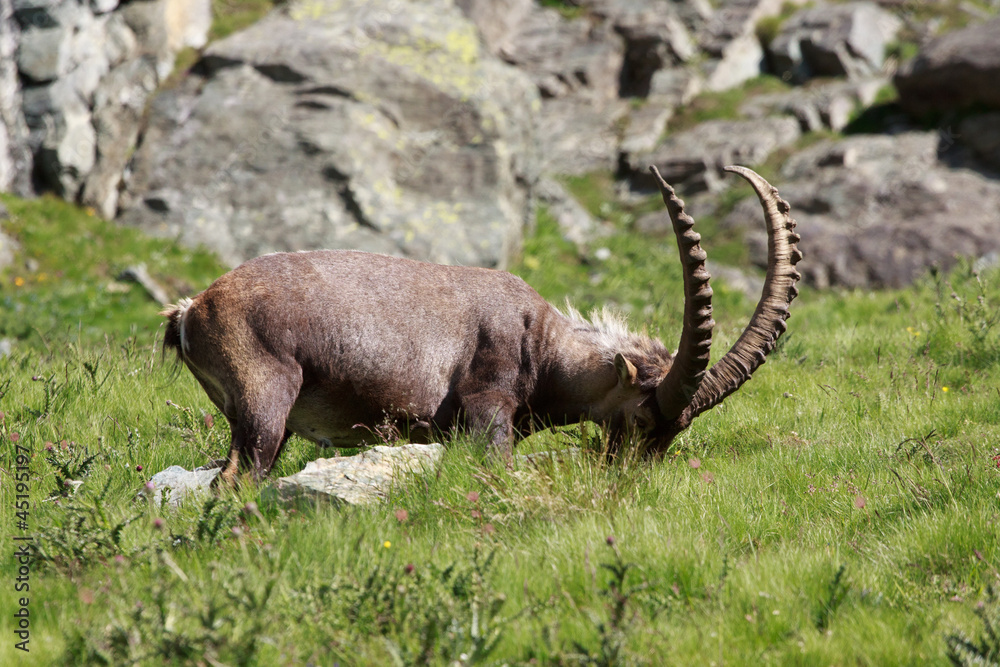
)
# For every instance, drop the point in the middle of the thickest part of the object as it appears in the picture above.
(476, 514)
(237, 531)
(402, 515)
(387, 544)
(472, 497)
(209, 421)
(488, 528)
(944, 389)
(18, 282)
(15, 436)
(860, 502)
(138, 468)
(150, 486)
(409, 568)
(610, 540)
(694, 463)
(119, 559)
(49, 446)
(158, 523)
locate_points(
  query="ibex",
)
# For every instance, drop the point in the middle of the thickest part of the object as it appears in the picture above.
(331, 344)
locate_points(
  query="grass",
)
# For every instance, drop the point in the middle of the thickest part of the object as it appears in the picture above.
(841, 509)
(724, 105)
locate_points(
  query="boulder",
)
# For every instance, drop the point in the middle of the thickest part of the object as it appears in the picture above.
(497, 20)
(564, 57)
(655, 39)
(694, 158)
(822, 106)
(16, 161)
(575, 223)
(578, 134)
(175, 485)
(876, 211)
(343, 125)
(833, 40)
(362, 479)
(982, 135)
(956, 70)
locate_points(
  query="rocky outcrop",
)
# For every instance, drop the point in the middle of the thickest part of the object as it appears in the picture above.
(954, 71)
(818, 107)
(694, 158)
(876, 211)
(15, 154)
(835, 40)
(343, 125)
(88, 69)
(496, 20)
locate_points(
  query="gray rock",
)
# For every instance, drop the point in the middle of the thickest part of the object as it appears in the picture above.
(750, 285)
(833, 40)
(175, 485)
(876, 211)
(140, 275)
(982, 134)
(497, 20)
(655, 38)
(343, 125)
(119, 103)
(740, 60)
(564, 57)
(16, 161)
(362, 479)
(66, 151)
(954, 71)
(8, 247)
(646, 125)
(694, 158)
(823, 106)
(44, 53)
(578, 134)
(575, 223)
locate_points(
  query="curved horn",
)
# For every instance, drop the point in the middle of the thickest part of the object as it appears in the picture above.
(675, 392)
(768, 321)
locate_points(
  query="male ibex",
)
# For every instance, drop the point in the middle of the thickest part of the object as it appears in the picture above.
(330, 344)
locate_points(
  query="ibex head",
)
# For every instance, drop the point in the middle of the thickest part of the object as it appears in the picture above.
(658, 408)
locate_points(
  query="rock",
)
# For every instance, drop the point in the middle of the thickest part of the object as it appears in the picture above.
(119, 103)
(361, 479)
(750, 285)
(876, 211)
(16, 161)
(578, 134)
(8, 247)
(833, 40)
(982, 134)
(497, 20)
(44, 53)
(655, 38)
(175, 485)
(729, 39)
(140, 275)
(575, 222)
(646, 126)
(343, 125)
(694, 158)
(817, 107)
(564, 57)
(954, 71)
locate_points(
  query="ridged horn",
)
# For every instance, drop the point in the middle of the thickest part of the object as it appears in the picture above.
(768, 321)
(678, 388)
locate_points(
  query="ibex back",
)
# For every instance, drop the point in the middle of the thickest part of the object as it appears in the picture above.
(333, 345)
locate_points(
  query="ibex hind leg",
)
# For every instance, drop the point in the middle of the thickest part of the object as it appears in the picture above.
(258, 425)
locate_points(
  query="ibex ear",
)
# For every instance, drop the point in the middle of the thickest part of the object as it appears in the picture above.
(627, 374)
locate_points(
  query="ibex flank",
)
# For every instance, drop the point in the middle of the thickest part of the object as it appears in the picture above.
(331, 345)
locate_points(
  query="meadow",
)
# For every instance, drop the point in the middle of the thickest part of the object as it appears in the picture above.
(843, 508)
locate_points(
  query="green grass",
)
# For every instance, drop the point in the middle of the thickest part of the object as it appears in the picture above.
(842, 508)
(724, 105)
(229, 16)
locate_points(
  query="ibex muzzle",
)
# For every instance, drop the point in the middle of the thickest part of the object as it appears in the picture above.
(334, 345)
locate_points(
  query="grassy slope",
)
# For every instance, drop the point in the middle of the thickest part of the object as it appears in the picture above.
(845, 450)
